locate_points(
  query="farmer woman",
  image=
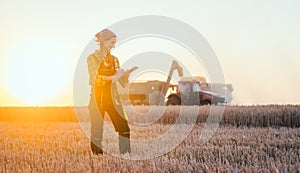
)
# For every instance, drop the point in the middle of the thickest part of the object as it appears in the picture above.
(103, 68)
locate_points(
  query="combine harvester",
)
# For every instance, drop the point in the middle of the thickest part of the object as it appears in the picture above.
(192, 90)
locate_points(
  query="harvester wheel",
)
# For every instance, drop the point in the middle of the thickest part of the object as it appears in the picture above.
(173, 100)
(205, 102)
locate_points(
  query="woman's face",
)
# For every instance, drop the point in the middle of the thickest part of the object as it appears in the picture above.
(109, 44)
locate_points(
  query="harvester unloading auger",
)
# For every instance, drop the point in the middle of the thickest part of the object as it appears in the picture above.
(166, 86)
(192, 90)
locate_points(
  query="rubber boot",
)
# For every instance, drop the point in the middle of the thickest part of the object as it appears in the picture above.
(124, 142)
(95, 149)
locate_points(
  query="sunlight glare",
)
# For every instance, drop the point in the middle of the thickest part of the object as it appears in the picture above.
(35, 75)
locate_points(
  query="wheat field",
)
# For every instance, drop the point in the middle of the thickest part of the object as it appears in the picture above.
(234, 147)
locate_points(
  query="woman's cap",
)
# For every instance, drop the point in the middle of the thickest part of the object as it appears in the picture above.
(105, 34)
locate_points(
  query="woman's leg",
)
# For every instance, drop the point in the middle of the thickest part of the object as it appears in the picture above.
(116, 114)
(96, 120)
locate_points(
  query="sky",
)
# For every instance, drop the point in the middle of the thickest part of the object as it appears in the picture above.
(256, 42)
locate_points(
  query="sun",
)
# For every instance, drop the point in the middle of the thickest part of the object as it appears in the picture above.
(35, 76)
